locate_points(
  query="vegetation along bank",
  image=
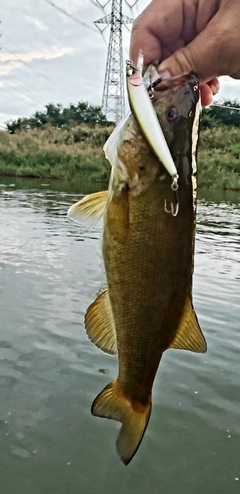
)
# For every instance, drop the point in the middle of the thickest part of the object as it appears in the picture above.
(66, 143)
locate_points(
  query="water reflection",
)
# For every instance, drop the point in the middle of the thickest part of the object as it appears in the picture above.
(50, 271)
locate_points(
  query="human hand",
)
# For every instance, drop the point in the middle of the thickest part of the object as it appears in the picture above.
(186, 35)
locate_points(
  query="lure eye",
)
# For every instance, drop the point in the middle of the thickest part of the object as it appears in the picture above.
(172, 114)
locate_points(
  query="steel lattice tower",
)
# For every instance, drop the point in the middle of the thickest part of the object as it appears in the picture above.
(113, 102)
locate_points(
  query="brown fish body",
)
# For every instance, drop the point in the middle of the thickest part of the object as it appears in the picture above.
(148, 247)
(148, 261)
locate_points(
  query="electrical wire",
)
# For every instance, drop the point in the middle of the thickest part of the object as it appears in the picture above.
(131, 6)
(21, 92)
(64, 12)
(14, 95)
(226, 107)
(97, 4)
(19, 81)
(16, 56)
(30, 66)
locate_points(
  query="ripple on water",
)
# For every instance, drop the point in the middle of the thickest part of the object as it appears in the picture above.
(51, 270)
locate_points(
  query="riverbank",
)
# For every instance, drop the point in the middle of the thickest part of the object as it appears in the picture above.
(77, 152)
(53, 153)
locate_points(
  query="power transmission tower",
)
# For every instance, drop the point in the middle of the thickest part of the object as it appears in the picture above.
(113, 101)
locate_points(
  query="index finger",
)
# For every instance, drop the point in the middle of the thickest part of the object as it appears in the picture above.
(145, 40)
(159, 25)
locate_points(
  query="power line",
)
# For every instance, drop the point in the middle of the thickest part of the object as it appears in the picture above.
(16, 56)
(19, 91)
(64, 12)
(102, 6)
(28, 65)
(19, 69)
(19, 81)
(13, 65)
(226, 107)
(97, 4)
(14, 95)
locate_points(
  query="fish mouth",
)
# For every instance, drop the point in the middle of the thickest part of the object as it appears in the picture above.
(143, 108)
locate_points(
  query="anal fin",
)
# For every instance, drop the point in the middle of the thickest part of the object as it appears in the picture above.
(99, 323)
(189, 335)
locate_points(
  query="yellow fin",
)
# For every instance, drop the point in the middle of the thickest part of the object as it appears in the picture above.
(111, 403)
(189, 335)
(99, 323)
(90, 207)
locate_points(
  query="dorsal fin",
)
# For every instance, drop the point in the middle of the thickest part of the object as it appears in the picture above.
(90, 207)
(189, 335)
(99, 323)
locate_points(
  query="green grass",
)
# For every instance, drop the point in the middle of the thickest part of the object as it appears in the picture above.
(77, 152)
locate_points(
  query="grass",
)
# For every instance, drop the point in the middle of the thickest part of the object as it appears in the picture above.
(53, 153)
(77, 152)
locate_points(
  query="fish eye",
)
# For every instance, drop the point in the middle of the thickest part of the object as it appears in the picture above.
(172, 114)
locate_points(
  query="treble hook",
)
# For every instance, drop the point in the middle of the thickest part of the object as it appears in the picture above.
(152, 86)
(173, 210)
(174, 207)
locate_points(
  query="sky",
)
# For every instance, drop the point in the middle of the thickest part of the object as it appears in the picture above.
(47, 57)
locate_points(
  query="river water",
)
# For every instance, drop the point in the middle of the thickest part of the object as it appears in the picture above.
(50, 271)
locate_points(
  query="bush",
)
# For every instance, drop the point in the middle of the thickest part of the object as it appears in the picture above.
(77, 151)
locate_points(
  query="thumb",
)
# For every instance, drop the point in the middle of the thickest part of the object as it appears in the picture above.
(210, 54)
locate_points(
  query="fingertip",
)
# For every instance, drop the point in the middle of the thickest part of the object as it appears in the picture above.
(206, 94)
(143, 39)
(214, 85)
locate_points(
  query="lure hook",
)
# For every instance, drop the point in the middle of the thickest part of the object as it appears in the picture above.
(174, 206)
(152, 86)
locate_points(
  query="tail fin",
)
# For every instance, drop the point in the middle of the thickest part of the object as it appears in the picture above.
(112, 404)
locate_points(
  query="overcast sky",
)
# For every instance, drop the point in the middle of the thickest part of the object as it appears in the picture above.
(47, 57)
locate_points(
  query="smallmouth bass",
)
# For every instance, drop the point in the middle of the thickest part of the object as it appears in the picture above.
(148, 248)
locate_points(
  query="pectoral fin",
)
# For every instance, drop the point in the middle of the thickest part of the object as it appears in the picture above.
(189, 335)
(99, 324)
(90, 207)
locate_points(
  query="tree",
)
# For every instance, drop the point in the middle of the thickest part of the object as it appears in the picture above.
(57, 116)
(226, 113)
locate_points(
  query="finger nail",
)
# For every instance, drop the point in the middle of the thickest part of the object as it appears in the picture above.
(164, 73)
(214, 88)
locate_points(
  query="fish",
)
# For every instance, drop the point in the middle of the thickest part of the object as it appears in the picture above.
(148, 239)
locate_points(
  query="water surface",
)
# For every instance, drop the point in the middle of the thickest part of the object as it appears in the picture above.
(50, 271)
